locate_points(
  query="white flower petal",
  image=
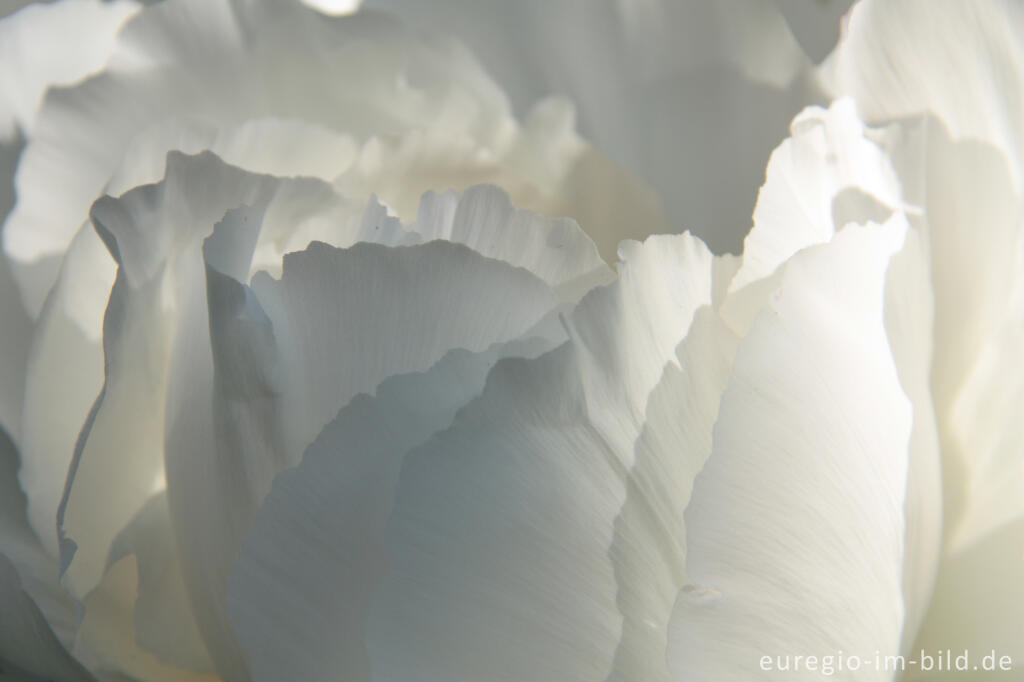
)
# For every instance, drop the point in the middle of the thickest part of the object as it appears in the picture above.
(649, 549)
(795, 527)
(288, 354)
(281, 147)
(960, 61)
(498, 545)
(544, 418)
(155, 232)
(63, 377)
(627, 332)
(78, 36)
(979, 601)
(978, 280)
(303, 585)
(483, 218)
(909, 322)
(829, 152)
(226, 64)
(691, 96)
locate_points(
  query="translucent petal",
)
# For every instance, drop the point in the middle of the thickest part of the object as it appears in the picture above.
(795, 529)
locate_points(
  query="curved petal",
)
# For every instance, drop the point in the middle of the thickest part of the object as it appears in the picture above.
(303, 584)
(795, 528)
(555, 415)
(829, 152)
(427, 103)
(152, 232)
(649, 548)
(977, 279)
(63, 377)
(979, 601)
(79, 35)
(960, 61)
(287, 355)
(691, 96)
(506, 575)
(165, 67)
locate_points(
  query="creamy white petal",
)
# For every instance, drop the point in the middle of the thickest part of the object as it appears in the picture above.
(183, 57)
(691, 96)
(649, 548)
(977, 278)
(52, 44)
(795, 529)
(150, 231)
(909, 322)
(63, 377)
(483, 218)
(627, 332)
(960, 61)
(979, 603)
(829, 152)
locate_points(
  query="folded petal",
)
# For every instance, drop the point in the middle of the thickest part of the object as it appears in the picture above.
(795, 528)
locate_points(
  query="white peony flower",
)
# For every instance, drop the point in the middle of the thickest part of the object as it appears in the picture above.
(323, 358)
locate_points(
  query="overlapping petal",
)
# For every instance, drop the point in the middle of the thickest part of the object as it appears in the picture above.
(691, 96)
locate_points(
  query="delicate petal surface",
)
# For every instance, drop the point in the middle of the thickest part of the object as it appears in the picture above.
(960, 61)
(795, 526)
